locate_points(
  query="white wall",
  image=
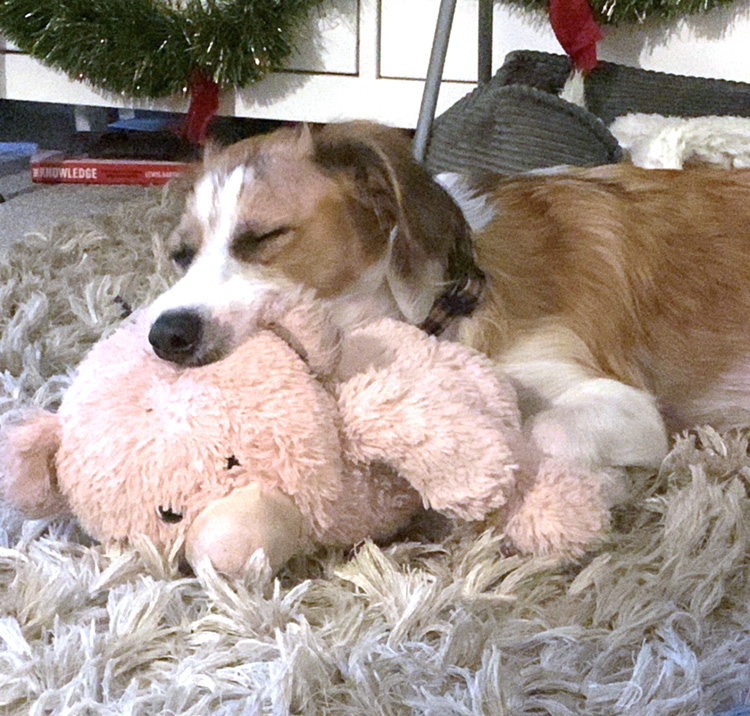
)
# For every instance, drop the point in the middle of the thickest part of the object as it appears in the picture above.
(713, 45)
(367, 58)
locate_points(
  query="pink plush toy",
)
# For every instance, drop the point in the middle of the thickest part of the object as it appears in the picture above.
(299, 438)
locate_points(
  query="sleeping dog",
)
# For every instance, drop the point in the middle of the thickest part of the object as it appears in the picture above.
(617, 299)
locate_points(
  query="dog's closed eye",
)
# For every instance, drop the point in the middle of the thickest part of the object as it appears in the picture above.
(247, 241)
(183, 256)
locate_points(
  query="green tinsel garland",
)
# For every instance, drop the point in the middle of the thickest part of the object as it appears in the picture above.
(623, 12)
(151, 48)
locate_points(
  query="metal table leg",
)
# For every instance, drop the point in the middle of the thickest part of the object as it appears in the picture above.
(434, 76)
(437, 62)
(485, 41)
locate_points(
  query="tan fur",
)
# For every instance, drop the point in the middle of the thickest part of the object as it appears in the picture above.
(611, 291)
(35, 443)
(291, 192)
(646, 272)
(349, 195)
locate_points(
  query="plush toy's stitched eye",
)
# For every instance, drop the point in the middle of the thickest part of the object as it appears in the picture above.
(166, 514)
(232, 461)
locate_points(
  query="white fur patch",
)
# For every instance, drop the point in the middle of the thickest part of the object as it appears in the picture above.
(574, 89)
(216, 283)
(576, 415)
(556, 171)
(215, 201)
(602, 423)
(476, 208)
(656, 142)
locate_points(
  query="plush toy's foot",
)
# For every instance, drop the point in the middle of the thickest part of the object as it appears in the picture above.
(231, 529)
(564, 513)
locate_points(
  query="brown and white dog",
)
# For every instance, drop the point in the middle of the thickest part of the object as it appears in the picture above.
(618, 299)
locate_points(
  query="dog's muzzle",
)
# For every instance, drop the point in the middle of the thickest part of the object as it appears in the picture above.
(177, 335)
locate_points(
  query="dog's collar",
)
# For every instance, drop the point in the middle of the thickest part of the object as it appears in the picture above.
(458, 300)
(464, 290)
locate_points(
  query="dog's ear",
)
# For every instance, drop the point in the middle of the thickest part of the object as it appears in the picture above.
(28, 478)
(413, 216)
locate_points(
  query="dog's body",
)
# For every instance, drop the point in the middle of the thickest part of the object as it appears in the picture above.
(617, 298)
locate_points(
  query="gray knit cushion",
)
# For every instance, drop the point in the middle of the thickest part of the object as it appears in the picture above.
(516, 128)
(516, 122)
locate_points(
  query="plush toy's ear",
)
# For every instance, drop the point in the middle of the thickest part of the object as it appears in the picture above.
(300, 320)
(28, 478)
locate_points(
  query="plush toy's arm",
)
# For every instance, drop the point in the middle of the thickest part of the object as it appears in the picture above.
(27, 466)
(439, 414)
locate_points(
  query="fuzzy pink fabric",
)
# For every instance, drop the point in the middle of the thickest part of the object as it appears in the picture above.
(438, 412)
(359, 432)
(139, 434)
(28, 470)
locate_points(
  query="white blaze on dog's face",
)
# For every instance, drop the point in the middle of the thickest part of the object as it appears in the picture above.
(327, 212)
(260, 220)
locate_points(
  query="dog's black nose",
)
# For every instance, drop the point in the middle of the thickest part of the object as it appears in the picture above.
(176, 335)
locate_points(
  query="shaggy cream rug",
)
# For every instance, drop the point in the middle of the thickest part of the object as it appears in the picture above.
(656, 622)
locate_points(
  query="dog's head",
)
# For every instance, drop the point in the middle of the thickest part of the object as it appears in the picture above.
(344, 210)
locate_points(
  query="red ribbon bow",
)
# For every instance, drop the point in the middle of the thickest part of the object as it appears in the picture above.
(204, 103)
(576, 30)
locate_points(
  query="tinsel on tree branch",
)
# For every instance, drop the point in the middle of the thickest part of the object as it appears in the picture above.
(624, 12)
(150, 48)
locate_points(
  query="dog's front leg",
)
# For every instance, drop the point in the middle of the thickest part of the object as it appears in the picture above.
(604, 425)
(571, 411)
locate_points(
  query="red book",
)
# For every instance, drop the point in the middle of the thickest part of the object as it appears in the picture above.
(59, 168)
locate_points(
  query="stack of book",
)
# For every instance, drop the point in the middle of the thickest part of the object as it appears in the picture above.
(115, 158)
(58, 167)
